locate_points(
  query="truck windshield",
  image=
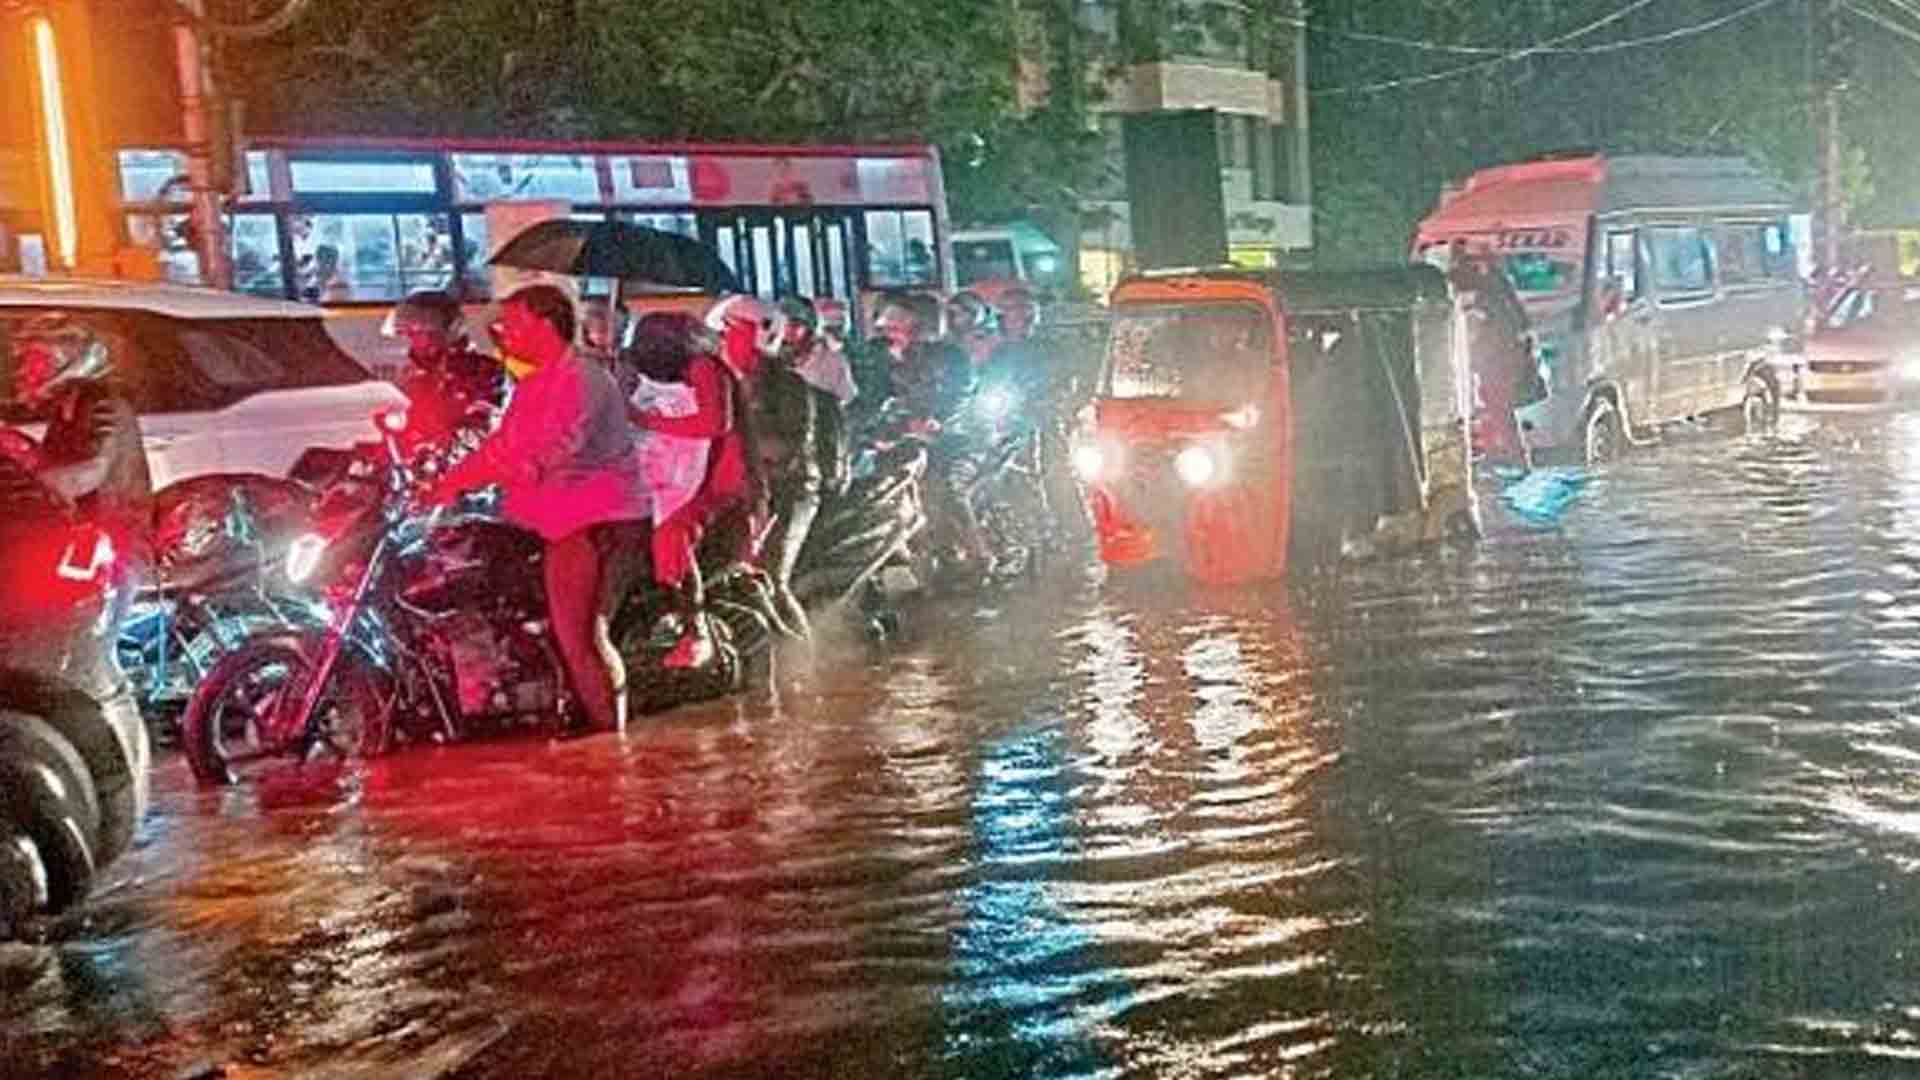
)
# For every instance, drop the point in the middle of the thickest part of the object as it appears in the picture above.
(1212, 353)
(982, 260)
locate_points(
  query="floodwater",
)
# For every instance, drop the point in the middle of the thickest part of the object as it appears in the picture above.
(1633, 794)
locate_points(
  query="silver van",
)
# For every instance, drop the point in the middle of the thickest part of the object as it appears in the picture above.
(1660, 288)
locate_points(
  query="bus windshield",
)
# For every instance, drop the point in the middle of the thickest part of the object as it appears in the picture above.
(1211, 353)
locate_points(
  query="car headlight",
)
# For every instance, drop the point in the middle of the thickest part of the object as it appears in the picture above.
(303, 556)
(1088, 461)
(1200, 466)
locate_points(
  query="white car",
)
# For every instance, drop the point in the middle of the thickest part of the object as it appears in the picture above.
(223, 383)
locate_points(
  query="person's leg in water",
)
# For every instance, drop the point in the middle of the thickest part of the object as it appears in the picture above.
(575, 584)
(677, 569)
(623, 553)
(795, 506)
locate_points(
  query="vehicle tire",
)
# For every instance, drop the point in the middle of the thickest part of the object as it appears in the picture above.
(48, 797)
(1604, 432)
(1759, 406)
(230, 730)
(23, 880)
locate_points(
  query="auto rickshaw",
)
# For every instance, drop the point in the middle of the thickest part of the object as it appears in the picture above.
(1249, 422)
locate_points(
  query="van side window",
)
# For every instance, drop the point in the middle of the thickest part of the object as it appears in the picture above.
(1682, 262)
(1622, 268)
(1776, 252)
(1752, 253)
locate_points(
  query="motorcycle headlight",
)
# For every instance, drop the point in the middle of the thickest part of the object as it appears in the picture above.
(1200, 466)
(996, 402)
(303, 556)
(1088, 461)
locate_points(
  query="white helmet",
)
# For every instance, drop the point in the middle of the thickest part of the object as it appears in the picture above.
(770, 320)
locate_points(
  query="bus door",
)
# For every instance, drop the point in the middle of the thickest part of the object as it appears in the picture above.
(785, 253)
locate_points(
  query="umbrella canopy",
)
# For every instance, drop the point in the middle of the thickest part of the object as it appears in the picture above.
(636, 254)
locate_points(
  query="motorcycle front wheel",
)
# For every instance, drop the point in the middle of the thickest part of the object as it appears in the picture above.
(239, 725)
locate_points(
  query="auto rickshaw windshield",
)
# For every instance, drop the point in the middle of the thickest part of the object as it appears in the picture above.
(1217, 353)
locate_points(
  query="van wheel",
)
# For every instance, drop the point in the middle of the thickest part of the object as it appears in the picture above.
(1760, 406)
(1606, 434)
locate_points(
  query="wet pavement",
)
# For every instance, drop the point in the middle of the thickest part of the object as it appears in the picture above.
(1633, 793)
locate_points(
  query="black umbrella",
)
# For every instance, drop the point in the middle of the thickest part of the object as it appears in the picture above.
(637, 255)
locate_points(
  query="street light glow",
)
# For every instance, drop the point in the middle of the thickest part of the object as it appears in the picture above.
(53, 121)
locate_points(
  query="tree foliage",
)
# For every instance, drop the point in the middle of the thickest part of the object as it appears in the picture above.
(1382, 155)
(939, 71)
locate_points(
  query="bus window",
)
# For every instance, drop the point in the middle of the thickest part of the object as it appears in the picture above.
(803, 260)
(683, 224)
(348, 257)
(473, 256)
(256, 255)
(837, 263)
(764, 268)
(364, 177)
(1682, 262)
(1623, 268)
(522, 177)
(900, 248)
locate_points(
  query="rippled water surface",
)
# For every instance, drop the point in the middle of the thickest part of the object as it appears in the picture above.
(1636, 795)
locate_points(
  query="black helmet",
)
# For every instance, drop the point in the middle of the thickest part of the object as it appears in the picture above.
(431, 310)
(799, 309)
(54, 351)
(967, 313)
(664, 342)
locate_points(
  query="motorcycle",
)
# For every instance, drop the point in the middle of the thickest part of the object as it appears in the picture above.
(862, 547)
(219, 545)
(435, 632)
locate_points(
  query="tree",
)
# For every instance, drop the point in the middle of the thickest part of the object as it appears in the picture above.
(1388, 135)
(938, 71)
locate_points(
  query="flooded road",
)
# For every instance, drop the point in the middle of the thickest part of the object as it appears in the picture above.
(1636, 793)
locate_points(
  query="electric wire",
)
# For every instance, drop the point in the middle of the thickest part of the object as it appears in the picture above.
(1552, 46)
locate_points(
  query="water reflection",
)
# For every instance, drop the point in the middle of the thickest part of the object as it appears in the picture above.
(1630, 794)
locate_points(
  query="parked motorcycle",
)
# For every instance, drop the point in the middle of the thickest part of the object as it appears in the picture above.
(219, 551)
(73, 753)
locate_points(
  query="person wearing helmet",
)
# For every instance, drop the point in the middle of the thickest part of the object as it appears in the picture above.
(92, 452)
(732, 492)
(446, 376)
(970, 325)
(803, 444)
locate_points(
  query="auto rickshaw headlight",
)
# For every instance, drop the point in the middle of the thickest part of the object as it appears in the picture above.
(1088, 461)
(1200, 466)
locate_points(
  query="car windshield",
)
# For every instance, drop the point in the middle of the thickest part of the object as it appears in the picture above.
(1214, 353)
(166, 364)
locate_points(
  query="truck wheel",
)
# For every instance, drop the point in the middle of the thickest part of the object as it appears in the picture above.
(1605, 432)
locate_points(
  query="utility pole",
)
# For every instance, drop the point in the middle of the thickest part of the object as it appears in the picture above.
(196, 106)
(1832, 56)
